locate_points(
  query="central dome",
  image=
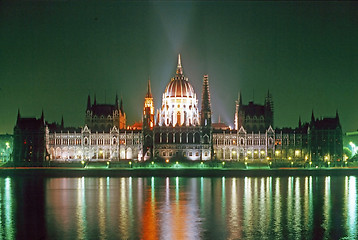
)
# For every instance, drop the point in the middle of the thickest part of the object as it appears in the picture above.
(179, 88)
(179, 103)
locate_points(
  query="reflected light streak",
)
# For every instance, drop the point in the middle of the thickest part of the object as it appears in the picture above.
(263, 212)
(123, 223)
(8, 209)
(327, 207)
(289, 205)
(297, 216)
(248, 204)
(149, 222)
(277, 209)
(81, 209)
(305, 206)
(101, 210)
(352, 207)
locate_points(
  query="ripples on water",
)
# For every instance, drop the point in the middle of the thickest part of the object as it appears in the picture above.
(179, 208)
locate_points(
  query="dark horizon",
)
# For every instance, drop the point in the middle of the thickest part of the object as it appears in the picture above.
(56, 53)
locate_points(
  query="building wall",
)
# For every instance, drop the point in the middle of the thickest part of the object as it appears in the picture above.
(96, 146)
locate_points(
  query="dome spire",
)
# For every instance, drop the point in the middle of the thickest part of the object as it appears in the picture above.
(179, 67)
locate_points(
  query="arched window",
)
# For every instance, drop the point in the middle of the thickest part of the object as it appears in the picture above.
(183, 138)
(157, 137)
(190, 137)
(170, 137)
(197, 138)
(164, 138)
(177, 137)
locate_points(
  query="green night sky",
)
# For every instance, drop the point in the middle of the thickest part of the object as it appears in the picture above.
(54, 53)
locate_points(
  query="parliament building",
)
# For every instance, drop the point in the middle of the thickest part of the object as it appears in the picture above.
(180, 129)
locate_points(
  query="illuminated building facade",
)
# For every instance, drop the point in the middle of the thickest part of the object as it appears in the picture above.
(180, 131)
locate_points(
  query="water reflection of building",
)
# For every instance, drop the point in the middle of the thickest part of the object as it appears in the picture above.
(181, 129)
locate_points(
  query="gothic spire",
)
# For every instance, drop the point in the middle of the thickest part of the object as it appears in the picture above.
(299, 122)
(95, 100)
(88, 102)
(121, 106)
(149, 91)
(240, 99)
(205, 103)
(337, 116)
(62, 124)
(312, 117)
(116, 102)
(18, 115)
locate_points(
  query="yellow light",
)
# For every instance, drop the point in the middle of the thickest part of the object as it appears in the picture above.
(201, 163)
(310, 163)
(223, 163)
(152, 163)
(289, 158)
(83, 162)
(268, 158)
(329, 163)
(107, 163)
(291, 163)
(167, 160)
(130, 163)
(248, 152)
(246, 158)
(176, 163)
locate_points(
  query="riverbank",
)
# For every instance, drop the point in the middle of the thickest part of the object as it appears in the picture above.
(170, 172)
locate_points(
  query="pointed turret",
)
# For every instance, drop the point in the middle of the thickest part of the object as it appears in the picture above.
(18, 116)
(149, 91)
(116, 101)
(62, 123)
(205, 103)
(240, 99)
(42, 117)
(312, 117)
(337, 117)
(121, 106)
(95, 100)
(179, 66)
(88, 102)
(299, 122)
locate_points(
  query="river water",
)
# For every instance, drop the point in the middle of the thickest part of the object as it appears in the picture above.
(179, 208)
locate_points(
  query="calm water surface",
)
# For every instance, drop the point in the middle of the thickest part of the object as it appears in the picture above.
(179, 208)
